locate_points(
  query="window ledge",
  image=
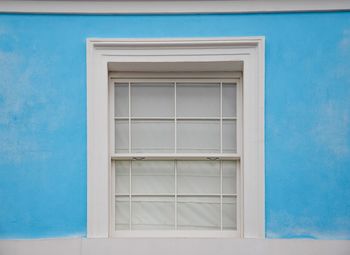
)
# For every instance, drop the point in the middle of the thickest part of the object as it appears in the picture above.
(172, 246)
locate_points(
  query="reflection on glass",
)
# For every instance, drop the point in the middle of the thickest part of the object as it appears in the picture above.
(152, 136)
(198, 100)
(153, 213)
(198, 136)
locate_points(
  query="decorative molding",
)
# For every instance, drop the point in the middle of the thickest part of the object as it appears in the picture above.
(102, 52)
(172, 6)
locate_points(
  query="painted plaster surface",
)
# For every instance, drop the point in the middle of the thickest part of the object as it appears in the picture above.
(43, 116)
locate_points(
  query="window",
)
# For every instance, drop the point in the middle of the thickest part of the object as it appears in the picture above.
(202, 146)
(176, 158)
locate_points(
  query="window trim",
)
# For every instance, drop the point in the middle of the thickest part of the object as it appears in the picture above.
(178, 77)
(168, 7)
(101, 52)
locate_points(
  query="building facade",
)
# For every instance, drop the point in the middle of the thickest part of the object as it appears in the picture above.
(296, 56)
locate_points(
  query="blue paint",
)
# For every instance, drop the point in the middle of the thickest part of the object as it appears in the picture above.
(43, 116)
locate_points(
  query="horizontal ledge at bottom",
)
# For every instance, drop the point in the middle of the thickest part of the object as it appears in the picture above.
(177, 195)
(173, 118)
(177, 156)
(176, 233)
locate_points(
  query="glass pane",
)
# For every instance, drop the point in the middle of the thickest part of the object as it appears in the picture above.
(152, 136)
(198, 136)
(229, 138)
(153, 213)
(198, 177)
(229, 213)
(198, 100)
(153, 177)
(198, 213)
(121, 136)
(229, 97)
(122, 212)
(229, 177)
(121, 100)
(152, 100)
(122, 177)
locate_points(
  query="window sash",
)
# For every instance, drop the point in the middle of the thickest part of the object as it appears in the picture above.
(179, 156)
(176, 196)
(176, 122)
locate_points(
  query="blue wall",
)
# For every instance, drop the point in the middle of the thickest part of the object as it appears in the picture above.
(43, 116)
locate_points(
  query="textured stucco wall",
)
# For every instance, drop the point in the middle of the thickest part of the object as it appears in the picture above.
(43, 116)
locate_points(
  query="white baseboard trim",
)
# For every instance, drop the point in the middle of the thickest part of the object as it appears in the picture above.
(174, 246)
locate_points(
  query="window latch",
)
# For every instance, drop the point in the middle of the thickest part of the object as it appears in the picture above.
(213, 158)
(138, 158)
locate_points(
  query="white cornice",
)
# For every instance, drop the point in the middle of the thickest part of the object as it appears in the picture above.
(172, 6)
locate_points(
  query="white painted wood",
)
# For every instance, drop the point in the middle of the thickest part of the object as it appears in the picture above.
(130, 192)
(185, 67)
(175, 194)
(111, 139)
(178, 156)
(159, 234)
(129, 132)
(175, 163)
(173, 246)
(112, 200)
(97, 147)
(221, 191)
(171, 6)
(210, 246)
(248, 50)
(251, 191)
(230, 75)
(66, 246)
(239, 175)
(175, 118)
(260, 146)
(175, 124)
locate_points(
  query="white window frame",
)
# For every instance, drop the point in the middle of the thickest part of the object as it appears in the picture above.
(101, 52)
(179, 77)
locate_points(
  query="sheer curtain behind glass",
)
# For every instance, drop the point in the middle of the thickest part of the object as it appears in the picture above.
(164, 120)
